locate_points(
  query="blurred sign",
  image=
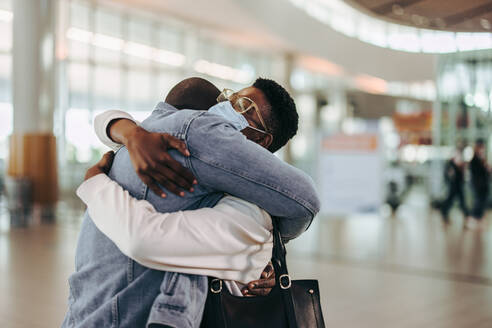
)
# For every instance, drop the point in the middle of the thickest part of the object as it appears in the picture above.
(415, 122)
(350, 173)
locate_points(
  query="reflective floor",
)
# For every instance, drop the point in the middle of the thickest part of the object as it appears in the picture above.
(375, 270)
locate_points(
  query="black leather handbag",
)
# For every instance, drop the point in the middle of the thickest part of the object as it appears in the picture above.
(291, 303)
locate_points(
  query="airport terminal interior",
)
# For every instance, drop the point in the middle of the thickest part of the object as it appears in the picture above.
(395, 119)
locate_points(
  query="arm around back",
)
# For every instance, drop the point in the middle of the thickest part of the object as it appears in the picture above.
(223, 159)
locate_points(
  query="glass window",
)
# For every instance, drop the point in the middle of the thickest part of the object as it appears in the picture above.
(79, 15)
(108, 39)
(81, 142)
(140, 90)
(78, 50)
(139, 48)
(140, 31)
(79, 34)
(6, 125)
(6, 5)
(165, 81)
(5, 73)
(171, 39)
(5, 30)
(6, 110)
(78, 84)
(124, 59)
(107, 87)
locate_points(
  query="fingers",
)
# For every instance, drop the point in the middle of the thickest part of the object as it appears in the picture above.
(152, 185)
(263, 286)
(170, 180)
(166, 178)
(260, 287)
(246, 292)
(106, 161)
(175, 143)
(268, 272)
(162, 177)
(262, 283)
(256, 292)
(181, 175)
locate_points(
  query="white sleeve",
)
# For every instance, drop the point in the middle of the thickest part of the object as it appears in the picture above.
(102, 121)
(231, 241)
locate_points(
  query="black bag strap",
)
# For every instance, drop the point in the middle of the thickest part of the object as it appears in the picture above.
(282, 278)
(282, 281)
(215, 299)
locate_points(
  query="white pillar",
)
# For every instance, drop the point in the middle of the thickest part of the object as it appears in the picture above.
(32, 144)
(33, 65)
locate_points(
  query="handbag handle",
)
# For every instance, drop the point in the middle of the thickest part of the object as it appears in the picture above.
(279, 262)
(282, 278)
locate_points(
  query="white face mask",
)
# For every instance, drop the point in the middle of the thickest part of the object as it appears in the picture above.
(225, 109)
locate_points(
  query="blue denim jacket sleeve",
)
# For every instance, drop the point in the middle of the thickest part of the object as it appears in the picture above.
(223, 159)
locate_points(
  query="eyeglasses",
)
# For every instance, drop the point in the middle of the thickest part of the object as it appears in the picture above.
(242, 105)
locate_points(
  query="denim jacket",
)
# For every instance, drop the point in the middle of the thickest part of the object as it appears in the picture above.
(108, 289)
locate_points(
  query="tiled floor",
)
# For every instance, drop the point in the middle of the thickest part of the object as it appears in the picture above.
(374, 270)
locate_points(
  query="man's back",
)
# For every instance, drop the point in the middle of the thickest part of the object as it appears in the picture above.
(103, 288)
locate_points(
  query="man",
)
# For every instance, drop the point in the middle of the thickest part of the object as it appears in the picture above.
(110, 289)
(480, 177)
(455, 178)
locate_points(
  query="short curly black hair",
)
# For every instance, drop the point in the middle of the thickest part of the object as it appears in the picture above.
(284, 120)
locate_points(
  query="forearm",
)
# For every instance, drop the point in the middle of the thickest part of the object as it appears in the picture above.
(121, 130)
(111, 134)
(207, 241)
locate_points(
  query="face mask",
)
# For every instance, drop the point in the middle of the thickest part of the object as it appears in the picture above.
(228, 112)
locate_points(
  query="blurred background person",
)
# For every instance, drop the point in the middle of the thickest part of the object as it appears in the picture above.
(396, 186)
(480, 179)
(454, 176)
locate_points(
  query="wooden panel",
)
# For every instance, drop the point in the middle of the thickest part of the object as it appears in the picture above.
(34, 156)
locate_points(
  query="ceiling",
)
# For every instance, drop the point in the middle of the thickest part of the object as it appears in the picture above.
(274, 25)
(445, 15)
(225, 19)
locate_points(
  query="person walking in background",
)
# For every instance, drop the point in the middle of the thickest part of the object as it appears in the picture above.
(454, 177)
(480, 176)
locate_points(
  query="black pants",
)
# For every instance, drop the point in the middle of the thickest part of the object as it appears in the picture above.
(454, 191)
(480, 203)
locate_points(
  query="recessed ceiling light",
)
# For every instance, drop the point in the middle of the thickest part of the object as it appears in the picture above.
(440, 22)
(417, 19)
(485, 23)
(398, 10)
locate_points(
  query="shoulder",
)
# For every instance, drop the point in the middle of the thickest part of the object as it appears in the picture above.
(210, 136)
(166, 118)
(208, 120)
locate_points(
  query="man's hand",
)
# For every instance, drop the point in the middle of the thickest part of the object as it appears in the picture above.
(263, 286)
(103, 166)
(148, 153)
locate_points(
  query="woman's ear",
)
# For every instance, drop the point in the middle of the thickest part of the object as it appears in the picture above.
(266, 140)
(261, 138)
